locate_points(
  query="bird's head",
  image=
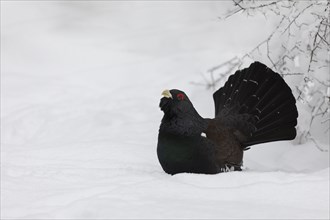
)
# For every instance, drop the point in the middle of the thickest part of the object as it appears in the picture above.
(175, 102)
(177, 108)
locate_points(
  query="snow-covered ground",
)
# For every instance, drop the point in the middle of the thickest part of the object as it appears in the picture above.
(80, 88)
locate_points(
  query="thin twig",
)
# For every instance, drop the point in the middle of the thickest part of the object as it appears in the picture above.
(316, 144)
(297, 16)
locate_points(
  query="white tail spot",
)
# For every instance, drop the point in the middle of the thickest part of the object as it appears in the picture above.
(254, 81)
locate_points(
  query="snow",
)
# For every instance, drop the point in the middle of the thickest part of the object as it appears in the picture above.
(80, 88)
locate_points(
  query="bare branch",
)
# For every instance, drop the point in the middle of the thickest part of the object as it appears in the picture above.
(315, 47)
(296, 17)
(292, 74)
(246, 9)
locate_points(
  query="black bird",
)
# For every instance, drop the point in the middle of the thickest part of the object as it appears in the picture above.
(254, 106)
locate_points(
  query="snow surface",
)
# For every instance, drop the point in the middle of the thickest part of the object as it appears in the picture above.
(80, 87)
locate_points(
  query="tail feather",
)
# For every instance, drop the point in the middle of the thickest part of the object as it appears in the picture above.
(272, 135)
(264, 95)
(275, 113)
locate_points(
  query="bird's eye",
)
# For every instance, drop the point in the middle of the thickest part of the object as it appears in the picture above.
(180, 96)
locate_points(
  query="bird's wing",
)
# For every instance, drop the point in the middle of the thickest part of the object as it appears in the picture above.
(228, 147)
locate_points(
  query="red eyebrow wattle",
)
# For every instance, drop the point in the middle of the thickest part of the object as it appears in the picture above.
(180, 96)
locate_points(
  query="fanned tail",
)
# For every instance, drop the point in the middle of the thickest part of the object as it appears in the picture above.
(264, 99)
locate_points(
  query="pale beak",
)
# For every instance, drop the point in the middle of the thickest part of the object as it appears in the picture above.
(166, 93)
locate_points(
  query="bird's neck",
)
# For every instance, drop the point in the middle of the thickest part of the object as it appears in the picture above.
(188, 124)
